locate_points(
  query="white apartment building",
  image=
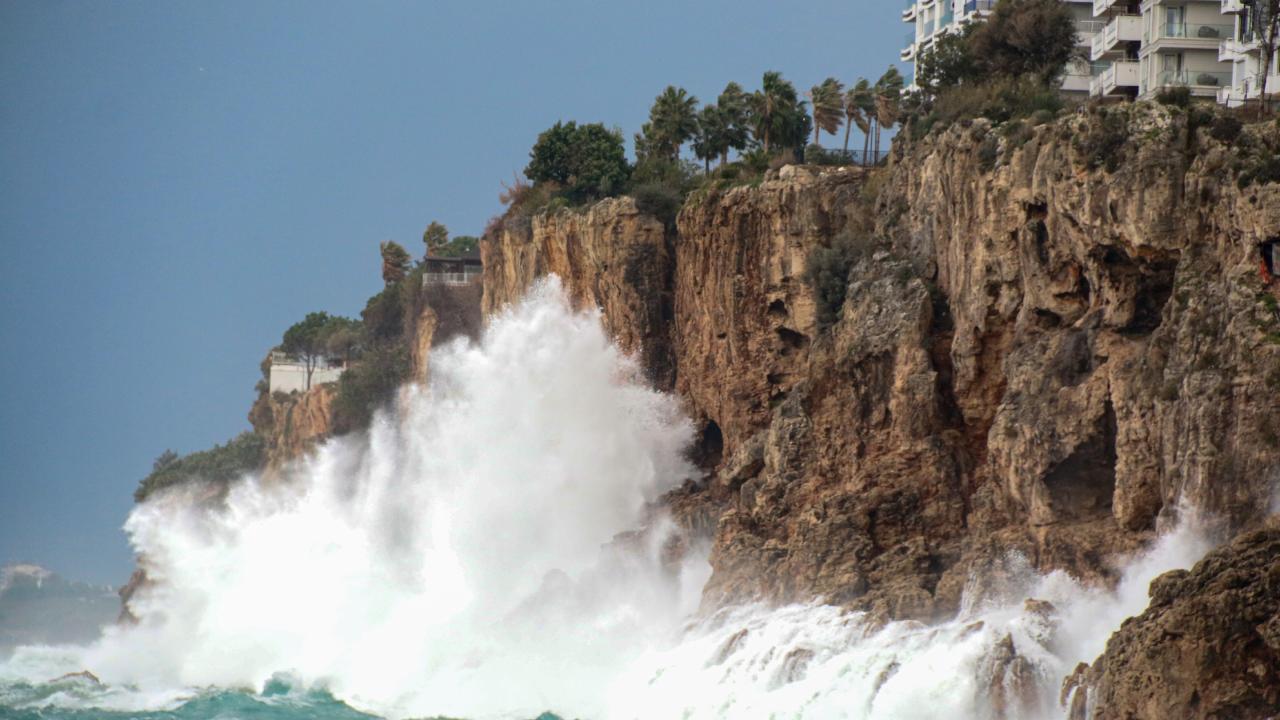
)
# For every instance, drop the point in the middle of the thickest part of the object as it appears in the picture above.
(1242, 51)
(931, 18)
(1134, 48)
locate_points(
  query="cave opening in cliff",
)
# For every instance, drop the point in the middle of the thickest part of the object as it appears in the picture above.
(710, 448)
(1270, 258)
(1082, 486)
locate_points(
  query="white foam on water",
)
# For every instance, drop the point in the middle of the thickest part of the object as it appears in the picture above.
(456, 560)
(816, 661)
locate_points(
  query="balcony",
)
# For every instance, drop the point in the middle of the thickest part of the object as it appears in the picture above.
(1100, 7)
(1121, 29)
(1121, 78)
(1203, 83)
(909, 51)
(1087, 29)
(1233, 50)
(909, 11)
(1194, 36)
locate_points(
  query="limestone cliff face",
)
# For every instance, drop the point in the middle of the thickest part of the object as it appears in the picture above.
(1034, 354)
(1208, 646)
(293, 424)
(611, 256)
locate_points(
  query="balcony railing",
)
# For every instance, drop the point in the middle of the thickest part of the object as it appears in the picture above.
(1196, 31)
(449, 279)
(1116, 75)
(1204, 78)
(1100, 7)
(1090, 27)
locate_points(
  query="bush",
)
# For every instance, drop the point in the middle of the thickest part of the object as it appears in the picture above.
(827, 272)
(1261, 171)
(221, 464)
(998, 101)
(1102, 144)
(1226, 128)
(660, 201)
(988, 153)
(1179, 96)
(369, 385)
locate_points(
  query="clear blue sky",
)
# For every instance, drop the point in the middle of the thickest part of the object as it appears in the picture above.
(180, 181)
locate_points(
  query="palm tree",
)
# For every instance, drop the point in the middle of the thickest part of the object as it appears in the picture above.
(710, 140)
(828, 107)
(858, 106)
(735, 110)
(888, 93)
(777, 113)
(673, 120)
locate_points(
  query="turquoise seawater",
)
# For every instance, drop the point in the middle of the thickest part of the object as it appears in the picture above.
(73, 699)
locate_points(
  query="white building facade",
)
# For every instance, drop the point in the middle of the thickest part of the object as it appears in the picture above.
(289, 374)
(1241, 49)
(1134, 48)
(930, 19)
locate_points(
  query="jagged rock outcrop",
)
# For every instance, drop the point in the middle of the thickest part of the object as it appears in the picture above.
(1208, 646)
(293, 423)
(1034, 353)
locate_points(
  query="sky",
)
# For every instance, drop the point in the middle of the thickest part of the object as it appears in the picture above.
(181, 181)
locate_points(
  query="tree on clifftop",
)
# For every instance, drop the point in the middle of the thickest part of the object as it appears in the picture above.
(828, 107)
(395, 262)
(778, 116)
(586, 161)
(1025, 37)
(673, 119)
(435, 237)
(306, 341)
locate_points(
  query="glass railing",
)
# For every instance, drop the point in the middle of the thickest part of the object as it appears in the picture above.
(909, 40)
(1201, 31)
(1208, 78)
(1090, 27)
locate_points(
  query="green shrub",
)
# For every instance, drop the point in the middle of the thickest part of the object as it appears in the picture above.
(658, 200)
(1261, 171)
(1102, 143)
(988, 153)
(221, 464)
(827, 272)
(369, 385)
(1178, 96)
(1043, 116)
(1226, 128)
(999, 101)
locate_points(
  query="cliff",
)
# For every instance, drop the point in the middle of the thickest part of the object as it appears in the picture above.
(611, 257)
(292, 424)
(1207, 647)
(1036, 350)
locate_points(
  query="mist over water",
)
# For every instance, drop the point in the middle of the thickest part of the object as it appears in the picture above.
(461, 560)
